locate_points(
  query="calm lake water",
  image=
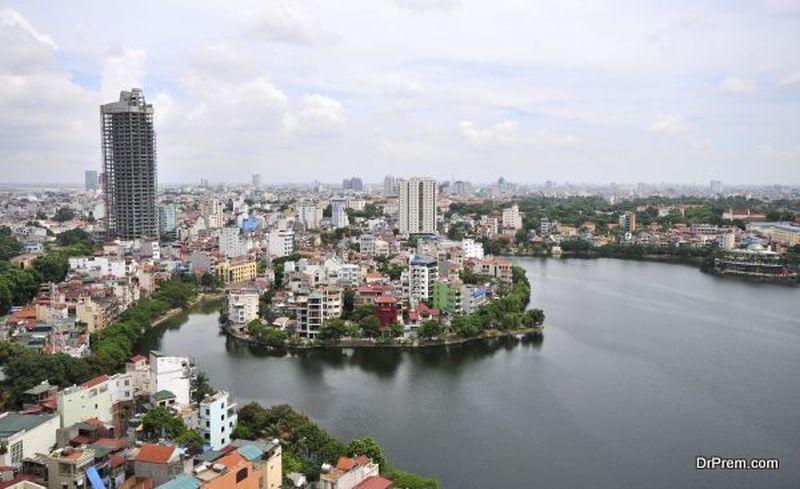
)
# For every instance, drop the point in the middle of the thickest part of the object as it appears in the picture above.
(643, 367)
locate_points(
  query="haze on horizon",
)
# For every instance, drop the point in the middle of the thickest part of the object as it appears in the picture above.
(584, 91)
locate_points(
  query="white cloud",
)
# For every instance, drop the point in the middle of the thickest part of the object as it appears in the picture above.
(320, 112)
(122, 70)
(428, 5)
(285, 21)
(669, 124)
(508, 134)
(734, 84)
(790, 80)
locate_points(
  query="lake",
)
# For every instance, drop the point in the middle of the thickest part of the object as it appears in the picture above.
(643, 367)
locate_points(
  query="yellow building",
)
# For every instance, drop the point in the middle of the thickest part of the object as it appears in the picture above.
(237, 270)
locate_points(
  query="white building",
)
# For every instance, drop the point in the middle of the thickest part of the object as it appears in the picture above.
(24, 435)
(472, 249)
(309, 214)
(281, 242)
(217, 419)
(417, 206)
(231, 244)
(122, 386)
(242, 306)
(172, 374)
(727, 241)
(103, 266)
(339, 217)
(423, 273)
(512, 219)
(215, 215)
(92, 399)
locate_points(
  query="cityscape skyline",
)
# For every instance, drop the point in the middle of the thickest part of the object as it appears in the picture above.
(300, 91)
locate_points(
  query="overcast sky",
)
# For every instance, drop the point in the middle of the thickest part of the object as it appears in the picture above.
(585, 91)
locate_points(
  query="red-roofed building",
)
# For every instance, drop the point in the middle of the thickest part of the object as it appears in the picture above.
(386, 310)
(375, 482)
(349, 473)
(157, 462)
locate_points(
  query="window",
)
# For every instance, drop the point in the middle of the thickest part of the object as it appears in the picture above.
(16, 453)
(241, 475)
(208, 436)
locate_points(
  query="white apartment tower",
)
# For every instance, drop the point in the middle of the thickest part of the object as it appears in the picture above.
(217, 419)
(512, 218)
(417, 206)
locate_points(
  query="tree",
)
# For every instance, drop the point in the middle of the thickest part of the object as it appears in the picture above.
(370, 326)
(9, 246)
(159, 422)
(201, 387)
(73, 237)
(64, 214)
(397, 330)
(430, 329)
(533, 317)
(192, 441)
(52, 267)
(332, 330)
(368, 447)
(210, 280)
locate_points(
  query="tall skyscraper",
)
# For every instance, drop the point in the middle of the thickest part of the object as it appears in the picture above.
(129, 163)
(90, 178)
(256, 180)
(417, 206)
(389, 186)
(716, 187)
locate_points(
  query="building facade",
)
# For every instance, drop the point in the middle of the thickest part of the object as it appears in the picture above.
(129, 165)
(417, 206)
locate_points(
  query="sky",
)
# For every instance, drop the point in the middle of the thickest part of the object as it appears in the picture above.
(583, 91)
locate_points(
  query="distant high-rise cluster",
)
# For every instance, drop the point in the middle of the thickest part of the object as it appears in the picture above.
(129, 163)
(256, 179)
(418, 206)
(353, 183)
(716, 187)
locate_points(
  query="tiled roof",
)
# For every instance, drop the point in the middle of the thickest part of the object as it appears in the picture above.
(155, 454)
(374, 482)
(95, 381)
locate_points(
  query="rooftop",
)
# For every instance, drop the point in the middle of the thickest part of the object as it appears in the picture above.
(155, 454)
(181, 482)
(12, 423)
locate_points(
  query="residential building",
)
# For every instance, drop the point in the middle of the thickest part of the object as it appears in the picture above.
(168, 218)
(129, 164)
(234, 271)
(242, 305)
(423, 273)
(173, 374)
(309, 214)
(417, 206)
(266, 457)
(499, 268)
(727, 241)
(348, 473)
(447, 296)
(230, 243)
(159, 462)
(472, 249)
(311, 310)
(627, 222)
(512, 219)
(67, 467)
(281, 242)
(339, 218)
(92, 399)
(215, 214)
(90, 180)
(22, 435)
(216, 419)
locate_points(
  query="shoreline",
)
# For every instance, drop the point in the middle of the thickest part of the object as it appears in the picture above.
(535, 331)
(201, 297)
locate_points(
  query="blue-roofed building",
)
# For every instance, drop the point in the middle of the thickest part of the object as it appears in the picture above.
(181, 482)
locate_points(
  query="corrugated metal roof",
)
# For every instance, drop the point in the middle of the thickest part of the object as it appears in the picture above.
(251, 453)
(181, 482)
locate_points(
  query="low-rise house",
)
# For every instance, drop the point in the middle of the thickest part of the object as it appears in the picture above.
(348, 473)
(160, 463)
(22, 435)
